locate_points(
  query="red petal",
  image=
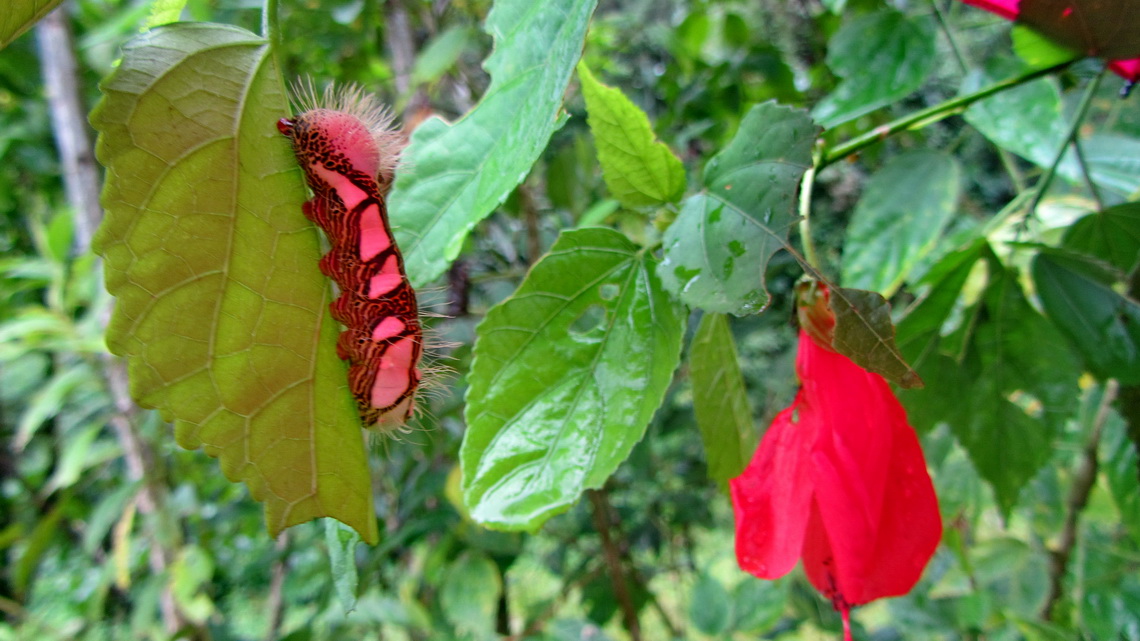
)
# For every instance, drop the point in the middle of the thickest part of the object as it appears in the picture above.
(772, 498)
(1007, 9)
(876, 520)
(1127, 69)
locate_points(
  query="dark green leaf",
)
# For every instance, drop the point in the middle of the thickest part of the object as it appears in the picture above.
(717, 249)
(1119, 457)
(1112, 235)
(881, 57)
(904, 209)
(720, 400)
(864, 333)
(567, 373)
(639, 171)
(222, 312)
(456, 175)
(1078, 296)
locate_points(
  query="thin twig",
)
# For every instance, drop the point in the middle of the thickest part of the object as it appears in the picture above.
(1078, 497)
(603, 521)
(276, 582)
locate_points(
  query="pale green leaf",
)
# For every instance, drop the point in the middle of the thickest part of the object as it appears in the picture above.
(341, 542)
(567, 373)
(222, 312)
(164, 12)
(717, 249)
(720, 400)
(19, 15)
(469, 596)
(456, 175)
(904, 209)
(440, 54)
(638, 170)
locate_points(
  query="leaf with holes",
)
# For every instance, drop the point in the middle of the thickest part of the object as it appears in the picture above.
(567, 373)
(456, 175)
(717, 249)
(222, 312)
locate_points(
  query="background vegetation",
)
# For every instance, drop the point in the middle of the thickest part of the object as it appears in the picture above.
(109, 530)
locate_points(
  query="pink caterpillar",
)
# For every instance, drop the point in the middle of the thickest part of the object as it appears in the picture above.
(348, 152)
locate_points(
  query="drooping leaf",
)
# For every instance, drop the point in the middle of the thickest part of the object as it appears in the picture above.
(638, 170)
(720, 400)
(717, 249)
(1112, 235)
(864, 333)
(222, 312)
(341, 543)
(469, 596)
(904, 209)
(1021, 386)
(19, 15)
(456, 174)
(1078, 296)
(567, 373)
(881, 58)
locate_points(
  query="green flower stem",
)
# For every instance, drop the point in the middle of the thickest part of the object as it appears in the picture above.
(1071, 137)
(930, 114)
(270, 28)
(806, 185)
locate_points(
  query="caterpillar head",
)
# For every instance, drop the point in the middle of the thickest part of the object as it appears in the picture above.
(342, 130)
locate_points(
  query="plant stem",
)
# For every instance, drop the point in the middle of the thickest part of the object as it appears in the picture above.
(806, 186)
(1074, 127)
(930, 114)
(603, 519)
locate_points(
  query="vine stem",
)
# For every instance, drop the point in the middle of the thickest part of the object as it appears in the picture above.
(930, 114)
(1070, 138)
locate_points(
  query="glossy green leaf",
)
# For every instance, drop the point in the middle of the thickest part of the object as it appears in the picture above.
(1112, 235)
(1029, 121)
(19, 15)
(469, 596)
(900, 217)
(638, 170)
(341, 543)
(221, 310)
(717, 249)
(1103, 325)
(881, 58)
(455, 175)
(865, 334)
(720, 400)
(567, 373)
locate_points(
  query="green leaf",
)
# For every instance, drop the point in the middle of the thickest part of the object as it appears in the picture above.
(1038, 51)
(904, 209)
(469, 596)
(864, 333)
(19, 16)
(1119, 457)
(341, 542)
(222, 312)
(440, 54)
(717, 249)
(567, 373)
(881, 57)
(757, 604)
(710, 606)
(639, 171)
(720, 400)
(1112, 235)
(164, 12)
(1078, 296)
(1021, 387)
(456, 175)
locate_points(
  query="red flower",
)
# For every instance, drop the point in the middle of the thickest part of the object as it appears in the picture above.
(1097, 29)
(839, 480)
